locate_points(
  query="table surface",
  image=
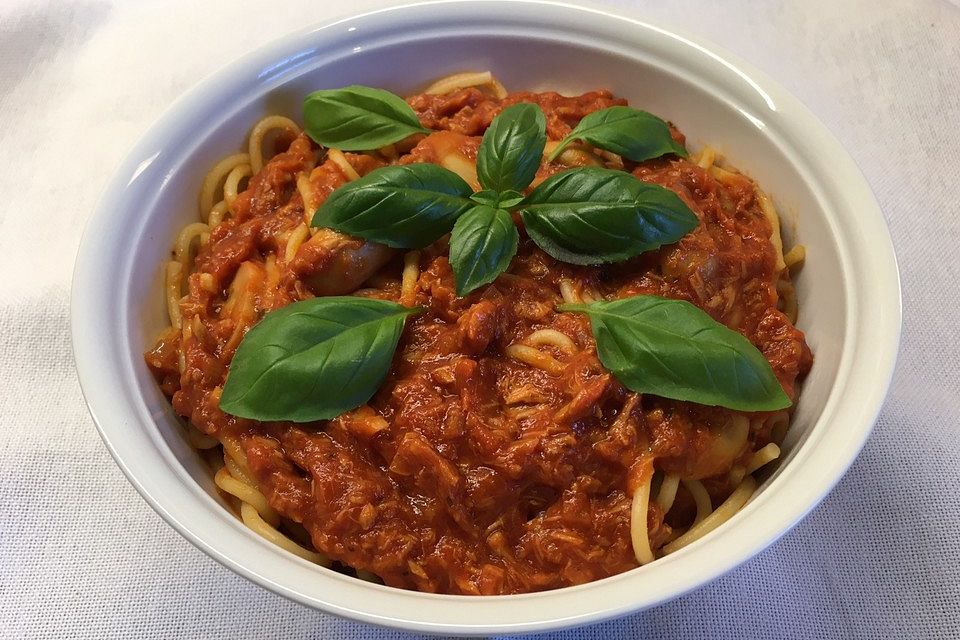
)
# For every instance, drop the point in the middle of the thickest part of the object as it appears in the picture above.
(82, 555)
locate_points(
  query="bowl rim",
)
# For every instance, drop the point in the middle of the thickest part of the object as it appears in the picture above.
(118, 420)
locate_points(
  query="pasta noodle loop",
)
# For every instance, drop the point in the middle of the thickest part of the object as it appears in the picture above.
(535, 358)
(259, 132)
(466, 80)
(700, 497)
(214, 179)
(553, 338)
(720, 515)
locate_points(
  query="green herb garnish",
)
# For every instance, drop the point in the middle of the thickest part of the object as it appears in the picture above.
(584, 216)
(318, 358)
(358, 118)
(407, 207)
(314, 359)
(632, 133)
(673, 349)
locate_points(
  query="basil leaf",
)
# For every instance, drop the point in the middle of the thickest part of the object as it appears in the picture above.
(502, 200)
(314, 359)
(487, 196)
(671, 348)
(510, 199)
(629, 132)
(592, 215)
(358, 118)
(512, 148)
(406, 207)
(483, 242)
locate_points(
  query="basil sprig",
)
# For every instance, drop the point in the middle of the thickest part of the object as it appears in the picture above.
(631, 133)
(314, 359)
(582, 216)
(358, 118)
(671, 348)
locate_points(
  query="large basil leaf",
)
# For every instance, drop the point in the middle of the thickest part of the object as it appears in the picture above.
(671, 348)
(314, 359)
(592, 215)
(483, 242)
(406, 207)
(358, 118)
(512, 148)
(629, 132)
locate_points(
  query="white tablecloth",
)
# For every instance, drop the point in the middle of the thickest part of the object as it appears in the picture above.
(83, 556)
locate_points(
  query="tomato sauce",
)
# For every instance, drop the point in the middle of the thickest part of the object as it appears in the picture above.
(470, 472)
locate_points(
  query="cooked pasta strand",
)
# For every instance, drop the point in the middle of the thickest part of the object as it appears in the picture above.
(700, 497)
(553, 338)
(778, 424)
(230, 464)
(763, 456)
(465, 80)
(720, 515)
(639, 533)
(247, 494)
(668, 491)
(257, 135)
(260, 526)
(231, 186)
(766, 205)
(297, 236)
(706, 158)
(795, 257)
(408, 281)
(309, 197)
(736, 474)
(336, 157)
(173, 288)
(788, 299)
(182, 248)
(217, 214)
(535, 358)
(232, 448)
(568, 293)
(214, 179)
(590, 294)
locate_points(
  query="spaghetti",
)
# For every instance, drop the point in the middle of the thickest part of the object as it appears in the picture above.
(499, 456)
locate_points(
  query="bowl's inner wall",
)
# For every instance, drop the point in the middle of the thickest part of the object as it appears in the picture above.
(700, 110)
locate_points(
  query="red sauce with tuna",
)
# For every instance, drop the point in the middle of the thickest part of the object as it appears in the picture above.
(470, 472)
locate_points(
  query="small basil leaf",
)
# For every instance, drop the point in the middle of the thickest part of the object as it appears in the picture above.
(670, 348)
(512, 148)
(406, 206)
(629, 132)
(487, 196)
(510, 198)
(358, 118)
(314, 359)
(483, 242)
(593, 215)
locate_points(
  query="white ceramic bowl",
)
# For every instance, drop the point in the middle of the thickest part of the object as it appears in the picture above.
(848, 290)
